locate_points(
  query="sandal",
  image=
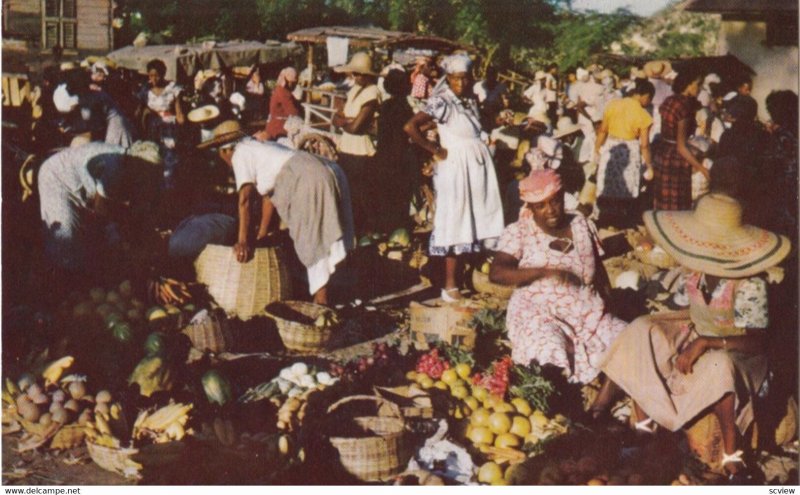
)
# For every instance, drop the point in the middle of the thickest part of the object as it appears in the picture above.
(730, 458)
(448, 298)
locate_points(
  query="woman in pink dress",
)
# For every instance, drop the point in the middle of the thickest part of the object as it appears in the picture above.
(557, 314)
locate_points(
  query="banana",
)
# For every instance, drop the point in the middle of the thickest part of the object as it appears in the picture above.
(165, 416)
(115, 411)
(171, 293)
(12, 388)
(175, 431)
(102, 425)
(55, 369)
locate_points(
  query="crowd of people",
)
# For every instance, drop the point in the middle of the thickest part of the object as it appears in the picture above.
(526, 178)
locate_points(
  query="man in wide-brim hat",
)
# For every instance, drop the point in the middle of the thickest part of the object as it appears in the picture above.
(678, 365)
(311, 196)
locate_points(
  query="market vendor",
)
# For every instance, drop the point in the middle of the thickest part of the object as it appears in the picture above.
(282, 105)
(556, 314)
(678, 365)
(82, 189)
(310, 195)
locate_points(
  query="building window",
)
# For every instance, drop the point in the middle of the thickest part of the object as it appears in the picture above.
(59, 23)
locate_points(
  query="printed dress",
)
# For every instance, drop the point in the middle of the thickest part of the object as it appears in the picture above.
(642, 360)
(469, 211)
(545, 315)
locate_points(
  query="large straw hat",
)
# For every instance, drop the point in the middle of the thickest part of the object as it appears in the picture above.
(224, 133)
(203, 114)
(712, 239)
(565, 127)
(360, 63)
(657, 69)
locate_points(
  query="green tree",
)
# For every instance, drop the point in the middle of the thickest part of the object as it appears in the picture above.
(581, 35)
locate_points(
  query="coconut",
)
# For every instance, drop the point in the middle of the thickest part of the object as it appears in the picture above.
(103, 396)
(29, 411)
(60, 416)
(72, 405)
(46, 419)
(77, 390)
(59, 396)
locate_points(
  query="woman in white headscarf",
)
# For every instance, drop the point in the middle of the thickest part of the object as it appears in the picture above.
(469, 213)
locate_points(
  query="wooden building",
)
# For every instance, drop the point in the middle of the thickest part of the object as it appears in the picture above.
(763, 35)
(78, 26)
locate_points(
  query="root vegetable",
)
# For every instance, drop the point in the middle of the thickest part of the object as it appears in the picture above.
(103, 397)
(77, 390)
(59, 396)
(72, 405)
(46, 419)
(29, 411)
(60, 416)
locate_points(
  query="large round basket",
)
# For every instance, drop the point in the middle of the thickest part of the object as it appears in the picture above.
(377, 453)
(481, 283)
(656, 257)
(243, 289)
(295, 322)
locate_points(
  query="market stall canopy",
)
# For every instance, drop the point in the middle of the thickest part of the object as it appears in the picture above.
(370, 37)
(726, 66)
(183, 61)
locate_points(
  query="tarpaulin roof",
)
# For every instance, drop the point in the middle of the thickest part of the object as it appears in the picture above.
(734, 6)
(369, 37)
(183, 61)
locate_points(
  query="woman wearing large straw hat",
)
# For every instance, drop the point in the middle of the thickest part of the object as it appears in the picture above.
(310, 195)
(356, 148)
(469, 212)
(677, 365)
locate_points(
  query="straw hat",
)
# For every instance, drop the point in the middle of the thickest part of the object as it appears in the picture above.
(565, 127)
(712, 239)
(203, 114)
(360, 63)
(540, 74)
(657, 69)
(226, 132)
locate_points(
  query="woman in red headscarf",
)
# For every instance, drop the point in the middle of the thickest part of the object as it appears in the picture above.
(282, 104)
(556, 315)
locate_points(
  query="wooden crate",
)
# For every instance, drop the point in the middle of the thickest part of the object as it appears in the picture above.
(436, 321)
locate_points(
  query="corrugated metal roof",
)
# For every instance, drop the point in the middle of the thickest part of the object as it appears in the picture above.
(745, 6)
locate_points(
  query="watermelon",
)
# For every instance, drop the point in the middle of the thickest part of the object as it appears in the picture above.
(155, 344)
(400, 237)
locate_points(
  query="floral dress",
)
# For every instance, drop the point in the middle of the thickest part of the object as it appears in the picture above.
(163, 127)
(642, 360)
(545, 316)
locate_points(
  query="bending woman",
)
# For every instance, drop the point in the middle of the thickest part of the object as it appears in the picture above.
(556, 314)
(311, 196)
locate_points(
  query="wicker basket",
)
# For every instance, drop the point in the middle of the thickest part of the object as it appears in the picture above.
(656, 257)
(434, 321)
(380, 456)
(116, 460)
(243, 289)
(413, 401)
(210, 334)
(481, 283)
(300, 336)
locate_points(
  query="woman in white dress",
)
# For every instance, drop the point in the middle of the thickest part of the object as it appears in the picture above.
(469, 213)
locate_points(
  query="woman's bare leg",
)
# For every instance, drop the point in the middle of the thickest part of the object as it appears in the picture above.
(725, 411)
(321, 296)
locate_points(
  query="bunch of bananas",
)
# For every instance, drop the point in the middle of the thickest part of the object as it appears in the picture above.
(169, 291)
(164, 425)
(108, 428)
(502, 455)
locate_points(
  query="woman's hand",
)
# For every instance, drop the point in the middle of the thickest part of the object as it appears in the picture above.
(243, 251)
(339, 120)
(690, 355)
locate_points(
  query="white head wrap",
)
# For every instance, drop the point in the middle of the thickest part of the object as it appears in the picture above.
(457, 63)
(64, 101)
(582, 75)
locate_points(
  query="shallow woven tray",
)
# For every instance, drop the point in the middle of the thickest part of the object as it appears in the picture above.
(298, 332)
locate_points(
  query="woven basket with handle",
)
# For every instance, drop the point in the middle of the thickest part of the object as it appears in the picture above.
(243, 289)
(301, 336)
(211, 333)
(378, 454)
(482, 284)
